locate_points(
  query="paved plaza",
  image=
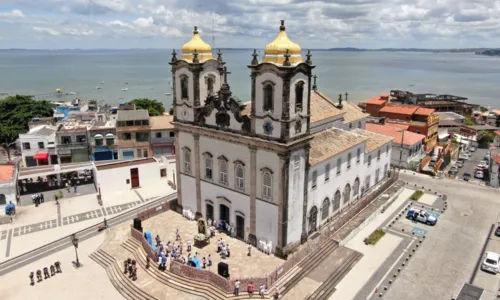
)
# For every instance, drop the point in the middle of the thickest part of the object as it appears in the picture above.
(240, 265)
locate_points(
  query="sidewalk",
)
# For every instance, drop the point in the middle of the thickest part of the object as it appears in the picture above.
(34, 227)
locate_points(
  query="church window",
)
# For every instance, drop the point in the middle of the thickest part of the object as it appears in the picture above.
(327, 172)
(349, 157)
(267, 185)
(339, 165)
(299, 96)
(223, 171)
(314, 179)
(184, 87)
(358, 155)
(359, 125)
(336, 201)
(325, 209)
(386, 150)
(240, 177)
(268, 96)
(378, 154)
(208, 167)
(187, 160)
(369, 160)
(210, 84)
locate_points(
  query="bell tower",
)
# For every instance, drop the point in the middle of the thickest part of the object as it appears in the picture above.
(281, 90)
(195, 76)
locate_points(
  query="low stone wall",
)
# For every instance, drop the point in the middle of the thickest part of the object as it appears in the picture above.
(154, 211)
(201, 275)
(139, 236)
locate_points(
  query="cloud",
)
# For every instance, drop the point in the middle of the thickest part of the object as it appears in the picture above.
(247, 23)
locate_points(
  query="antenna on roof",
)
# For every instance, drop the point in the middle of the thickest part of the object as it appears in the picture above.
(213, 35)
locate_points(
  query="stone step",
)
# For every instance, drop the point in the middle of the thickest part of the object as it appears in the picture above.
(327, 288)
(184, 284)
(309, 264)
(125, 286)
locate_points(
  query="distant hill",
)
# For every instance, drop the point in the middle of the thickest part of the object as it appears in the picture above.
(483, 51)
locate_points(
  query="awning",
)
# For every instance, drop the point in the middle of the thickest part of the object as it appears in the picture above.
(41, 156)
(98, 136)
(110, 136)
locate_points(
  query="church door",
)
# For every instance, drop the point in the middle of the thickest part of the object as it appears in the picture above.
(210, 212)
(313, 217)
(224, 213)
(240, 227)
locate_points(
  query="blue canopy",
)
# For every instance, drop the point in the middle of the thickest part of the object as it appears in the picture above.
(9, 208)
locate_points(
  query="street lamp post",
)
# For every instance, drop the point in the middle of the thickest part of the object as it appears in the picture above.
(401, 149)
(74, 241)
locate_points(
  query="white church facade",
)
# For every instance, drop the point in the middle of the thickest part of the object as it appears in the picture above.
(275, 168)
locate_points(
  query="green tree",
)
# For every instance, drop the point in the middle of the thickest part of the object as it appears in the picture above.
(171, 111)
(485, 138)
(154, 107)
(15, 114)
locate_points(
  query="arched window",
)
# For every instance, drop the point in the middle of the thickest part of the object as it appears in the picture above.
(187, 160)
(355, 187)
(210, 85)
(223, 171)
(240, 177)
(267, 185)
(349, 157)
(325, 209)
(184, 87)
(347, 193)
(336, 201)
(208, 167)
(299, 96)
(268, 96)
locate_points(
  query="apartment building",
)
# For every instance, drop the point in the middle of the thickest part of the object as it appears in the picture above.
(162, 136)
(133, 134)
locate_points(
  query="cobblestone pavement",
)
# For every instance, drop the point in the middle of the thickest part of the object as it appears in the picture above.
(49, 195)
(240, 265)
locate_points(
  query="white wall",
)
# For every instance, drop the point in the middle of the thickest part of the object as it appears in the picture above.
(183, 112)
(402, 155)
(112, 180)
(33, 139)
(9, 190)
(296, 196)
(269, 160)
(266, 227)
(188, 188)
(295, 79)
(277, 105)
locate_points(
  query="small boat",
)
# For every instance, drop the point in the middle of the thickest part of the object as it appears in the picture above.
(125, 89)
(71, 93)
(120, 98)
(97, 87)
(102, 82)
(168, 94)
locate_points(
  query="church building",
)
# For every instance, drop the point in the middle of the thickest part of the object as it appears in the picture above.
(275, 168)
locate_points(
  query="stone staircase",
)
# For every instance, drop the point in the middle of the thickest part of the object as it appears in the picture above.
(186, 285)
(305, 266)
(327, 288)
(124, 285)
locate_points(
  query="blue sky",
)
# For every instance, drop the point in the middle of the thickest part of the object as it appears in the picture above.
(63, 24)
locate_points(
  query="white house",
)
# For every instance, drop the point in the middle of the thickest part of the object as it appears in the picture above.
(262, 166)
(38, 146)
(406, 145)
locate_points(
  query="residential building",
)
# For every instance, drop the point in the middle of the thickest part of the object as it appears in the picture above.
(162, 135)
(492, 116)
(63, 110)
(72, 141)
(102, 137)
(439, 103)
(406, 145)
(494, 167)
(36, 122)
(38, 146)
(133, 134)
(450, 120)
(8, 185)
(375, 104)
(280, 167)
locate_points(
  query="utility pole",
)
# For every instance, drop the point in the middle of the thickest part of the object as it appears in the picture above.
(401, 149)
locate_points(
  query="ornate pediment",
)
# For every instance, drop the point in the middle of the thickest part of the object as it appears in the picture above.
(223, 110)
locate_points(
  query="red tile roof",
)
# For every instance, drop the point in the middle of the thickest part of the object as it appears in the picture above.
(396, 125)
(496, 158)
(424, 111)
(376, 100)
(400, 109)
(6, 172)
(497, 132)
(410, 138)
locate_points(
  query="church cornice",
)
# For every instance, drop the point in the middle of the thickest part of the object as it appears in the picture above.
(280, 70)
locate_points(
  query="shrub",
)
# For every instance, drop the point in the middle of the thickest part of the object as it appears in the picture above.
(60, 194)
(374, 237)
(417, 195)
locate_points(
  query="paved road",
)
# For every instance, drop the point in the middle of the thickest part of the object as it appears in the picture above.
(82, 235)
(470, 165)
(451, 252)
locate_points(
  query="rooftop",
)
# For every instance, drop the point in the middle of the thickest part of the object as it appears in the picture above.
(75, 126)
(352, 112)
(100, 125)
(374, 140)
(44, 130)
(330, 142)
(448, 115)
(161, 122)
(410, 138)
(321, 107)
(424, 111)
(132, 115)
(376, 101)
(247, 110)
(397, 125)
(400, 109)
(483, 127)
(6, 172)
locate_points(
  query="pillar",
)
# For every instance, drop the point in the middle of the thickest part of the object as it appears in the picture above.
(283, 178)
(304, 208)
(178, 156)
(253, 189)
(197, 172)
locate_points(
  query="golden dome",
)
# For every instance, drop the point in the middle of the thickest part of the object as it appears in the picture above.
(196, 44)
(276, 50)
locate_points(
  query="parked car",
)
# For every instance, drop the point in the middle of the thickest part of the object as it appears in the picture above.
(491, 262)
(482, 164)
(497, 231)
(453, 171)
(472, 149)
(466, 176)
(421, 216)
(487, 157)
(479, 174)
(460, 163)
(463, 157)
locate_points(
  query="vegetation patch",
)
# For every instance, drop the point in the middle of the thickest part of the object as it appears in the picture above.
(417, 195)
(374, 237)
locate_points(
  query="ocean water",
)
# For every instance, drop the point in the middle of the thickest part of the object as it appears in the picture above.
(147, 74)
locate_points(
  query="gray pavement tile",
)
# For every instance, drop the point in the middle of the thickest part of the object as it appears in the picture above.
(89, 215)
(27, 229)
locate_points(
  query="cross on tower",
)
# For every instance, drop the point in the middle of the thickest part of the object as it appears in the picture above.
(346, 94)
(315, 87)
(219, 56)
(174, 56)
(287, 59)
(308, 55)
(225, 74)
(255, 61)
